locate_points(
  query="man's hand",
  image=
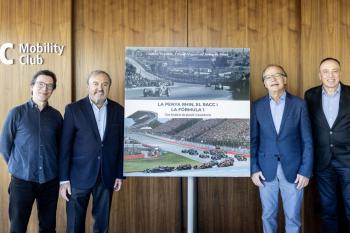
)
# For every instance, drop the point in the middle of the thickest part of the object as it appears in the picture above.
(257, 177)
(301, 181)
(117, 184)
(64, 189)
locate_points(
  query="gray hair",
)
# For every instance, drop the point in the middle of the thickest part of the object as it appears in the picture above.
(98, 72)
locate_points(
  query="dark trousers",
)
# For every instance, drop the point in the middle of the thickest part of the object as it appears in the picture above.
(328, 180)
(22, 195)
(78, 203)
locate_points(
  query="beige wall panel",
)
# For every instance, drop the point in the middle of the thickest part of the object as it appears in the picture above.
(274, 37)
(219, 23)
(325, 33)
(102, 30)
(30, 22)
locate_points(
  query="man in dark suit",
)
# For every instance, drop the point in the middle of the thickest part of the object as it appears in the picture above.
(329, 106)
(281, 150)
(91, 156)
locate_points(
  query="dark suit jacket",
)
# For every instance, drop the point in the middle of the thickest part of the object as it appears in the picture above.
(292, 145)
(328, 141)
(82, 153)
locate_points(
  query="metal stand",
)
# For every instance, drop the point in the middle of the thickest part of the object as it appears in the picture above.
(191, 205)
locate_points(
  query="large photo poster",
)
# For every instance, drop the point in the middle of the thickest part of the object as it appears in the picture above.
(187, 112)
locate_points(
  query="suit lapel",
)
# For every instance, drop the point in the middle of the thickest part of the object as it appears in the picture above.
(110, 114)
(343, 100)
(319, 108)
(287, 106)
(269, 114)
(91, 117)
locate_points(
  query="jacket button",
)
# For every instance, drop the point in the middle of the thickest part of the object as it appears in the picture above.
(331, 132)
(332, 145)
(98, 157)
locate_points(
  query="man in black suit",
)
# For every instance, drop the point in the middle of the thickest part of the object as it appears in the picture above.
(91, 156)
(329, 107)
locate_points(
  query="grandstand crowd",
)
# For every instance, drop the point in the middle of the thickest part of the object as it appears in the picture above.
(225, 132)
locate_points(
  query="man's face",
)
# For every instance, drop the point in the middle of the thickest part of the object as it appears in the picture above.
(274, 79)
(98, 88)
(330, 74)
(42, 88)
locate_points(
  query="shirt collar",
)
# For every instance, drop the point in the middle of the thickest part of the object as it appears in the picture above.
(282, 98)
(93, 104)
(34, 105)
(335, 93)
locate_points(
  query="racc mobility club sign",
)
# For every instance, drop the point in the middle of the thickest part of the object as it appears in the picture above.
(29, 53)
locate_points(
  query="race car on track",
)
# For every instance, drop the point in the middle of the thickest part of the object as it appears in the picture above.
(156, 91)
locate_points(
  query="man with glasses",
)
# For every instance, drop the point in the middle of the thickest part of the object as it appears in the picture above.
(29, 144)
(281, 151)
(330, 119)
(91, 156)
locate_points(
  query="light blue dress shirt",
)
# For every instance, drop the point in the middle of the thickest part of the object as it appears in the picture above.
(330, 105)
(277, 110)
(100, 117)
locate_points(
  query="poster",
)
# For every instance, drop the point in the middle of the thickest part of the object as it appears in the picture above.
(187, 112)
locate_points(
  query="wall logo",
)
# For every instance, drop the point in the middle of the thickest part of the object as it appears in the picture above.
(29, 53)
(3, 57)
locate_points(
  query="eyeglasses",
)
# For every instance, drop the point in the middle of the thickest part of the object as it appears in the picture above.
(42, 85)
(270, 77)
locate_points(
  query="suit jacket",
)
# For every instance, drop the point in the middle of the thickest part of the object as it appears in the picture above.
(82, 153)
(292, 145)
(330, 142)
